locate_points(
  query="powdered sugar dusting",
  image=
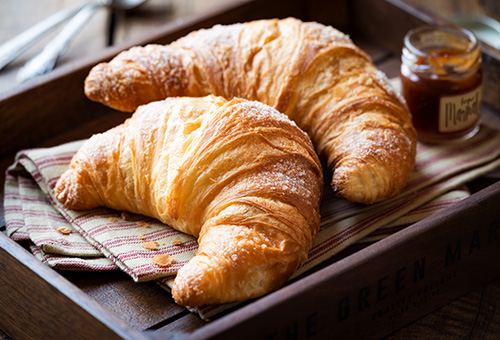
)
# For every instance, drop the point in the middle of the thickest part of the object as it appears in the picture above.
(286, 176)
(258, 110)
(331, 33)
(384, 82)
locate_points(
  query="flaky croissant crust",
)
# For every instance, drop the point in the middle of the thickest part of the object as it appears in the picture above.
(311, 72)
(238, 175)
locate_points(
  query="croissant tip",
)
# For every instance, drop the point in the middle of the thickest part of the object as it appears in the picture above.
(72, 193)
(187, 294)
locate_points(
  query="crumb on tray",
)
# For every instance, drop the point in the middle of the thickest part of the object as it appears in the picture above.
(142, 224)
(163, 260)
(151, 245)
(64, 230)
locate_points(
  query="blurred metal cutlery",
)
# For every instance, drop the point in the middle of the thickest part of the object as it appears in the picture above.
(10, 49)
(45, 61)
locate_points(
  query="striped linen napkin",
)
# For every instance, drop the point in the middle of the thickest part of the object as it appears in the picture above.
(31, 217)
(103, 239)
(444, 201)
(98, 239)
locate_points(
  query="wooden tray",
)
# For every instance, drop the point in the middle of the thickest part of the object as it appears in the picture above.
(364, 292)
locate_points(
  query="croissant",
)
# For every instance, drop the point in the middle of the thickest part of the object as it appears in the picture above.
(238, 175)
(313, 73)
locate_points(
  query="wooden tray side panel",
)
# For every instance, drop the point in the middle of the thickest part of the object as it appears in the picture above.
(37, 303)
(43, 112)
(384, 286)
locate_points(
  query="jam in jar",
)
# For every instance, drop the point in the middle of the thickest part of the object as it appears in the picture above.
(441, 82)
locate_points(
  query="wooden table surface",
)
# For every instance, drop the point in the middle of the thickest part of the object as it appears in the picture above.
(474, 316)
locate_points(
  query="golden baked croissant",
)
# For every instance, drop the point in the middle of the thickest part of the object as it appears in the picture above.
(238, 175)
(311, 72)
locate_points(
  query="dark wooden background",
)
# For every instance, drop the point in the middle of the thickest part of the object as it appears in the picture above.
(473, 316)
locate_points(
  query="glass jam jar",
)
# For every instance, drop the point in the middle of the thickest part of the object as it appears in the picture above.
(441, 81)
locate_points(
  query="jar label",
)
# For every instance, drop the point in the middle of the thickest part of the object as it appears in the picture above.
(460, 112)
